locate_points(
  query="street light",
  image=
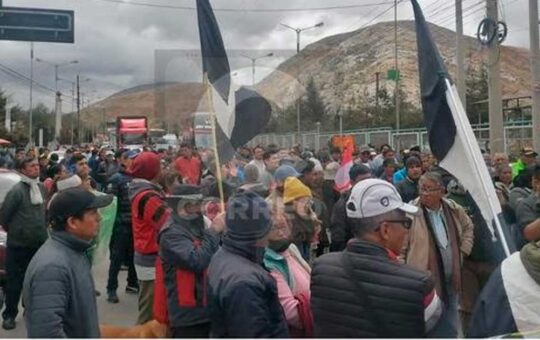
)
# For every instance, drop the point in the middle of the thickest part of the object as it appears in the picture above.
(253, 61)
(56, 67)
(298, 32)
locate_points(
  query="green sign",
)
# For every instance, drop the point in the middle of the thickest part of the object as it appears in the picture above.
(393, 75)
(36, 24)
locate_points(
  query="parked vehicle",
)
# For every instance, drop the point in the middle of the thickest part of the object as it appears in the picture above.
(131, 132)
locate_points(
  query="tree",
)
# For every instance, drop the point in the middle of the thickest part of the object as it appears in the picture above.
(313, 108)
(477, 91)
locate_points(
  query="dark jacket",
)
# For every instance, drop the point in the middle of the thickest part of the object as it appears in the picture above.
(59, 293)
(185, 249)
(408, 189)
(23, 221)
(118, 186)
(340, 230)
(528, 210)
(395, 292)
(243, 295)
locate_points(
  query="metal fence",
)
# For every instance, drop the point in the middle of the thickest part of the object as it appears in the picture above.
(516, 136)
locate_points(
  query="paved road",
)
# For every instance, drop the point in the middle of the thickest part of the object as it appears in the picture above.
(121, 314)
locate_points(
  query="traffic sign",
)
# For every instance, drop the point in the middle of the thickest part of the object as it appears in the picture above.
(36, 24)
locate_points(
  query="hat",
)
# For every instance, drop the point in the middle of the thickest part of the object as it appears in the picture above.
(331, 170)
(109, 153)
(184, 193)
(247, 217)
(284, 171)
(528, 151)
(365, 148)
(294, 189)
(72, 181)
(374, 197)
(74, 201)
(146, 165)
(251, 173)
(358, 170)
(318, 165)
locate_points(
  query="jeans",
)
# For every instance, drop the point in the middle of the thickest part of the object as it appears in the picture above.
(448, 325)
(121, 248)
(17, 260)
(146, 301)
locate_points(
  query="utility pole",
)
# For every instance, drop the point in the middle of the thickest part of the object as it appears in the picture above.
(377, 75)
(30, 137)
(72, 110)
(535, 70)
(396, 93)
(78, 111)
(460, 54)
(496, 132)
(58, 116)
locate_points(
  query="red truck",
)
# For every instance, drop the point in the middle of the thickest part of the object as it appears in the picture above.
(131, 132)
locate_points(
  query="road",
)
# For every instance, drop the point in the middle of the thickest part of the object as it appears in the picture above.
(121, 314)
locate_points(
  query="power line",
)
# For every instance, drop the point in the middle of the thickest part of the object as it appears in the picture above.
(250, 10)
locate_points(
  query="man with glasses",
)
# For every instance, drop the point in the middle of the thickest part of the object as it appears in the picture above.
(440, 237)
(363, 291)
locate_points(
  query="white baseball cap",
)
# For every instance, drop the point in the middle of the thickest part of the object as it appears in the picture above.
(373, 197)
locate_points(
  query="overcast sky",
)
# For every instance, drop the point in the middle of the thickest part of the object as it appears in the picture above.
(116, 43)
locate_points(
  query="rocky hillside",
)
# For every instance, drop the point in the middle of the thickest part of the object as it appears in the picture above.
(344, 66)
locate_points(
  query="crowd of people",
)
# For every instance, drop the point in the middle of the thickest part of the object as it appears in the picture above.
(268, 245)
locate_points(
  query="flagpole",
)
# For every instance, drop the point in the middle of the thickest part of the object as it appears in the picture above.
(213, 118)
(450, 91)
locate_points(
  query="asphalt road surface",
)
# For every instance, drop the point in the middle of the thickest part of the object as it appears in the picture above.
(120, 314)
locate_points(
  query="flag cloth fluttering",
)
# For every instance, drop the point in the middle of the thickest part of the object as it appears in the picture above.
(241, 114)
(451, 137)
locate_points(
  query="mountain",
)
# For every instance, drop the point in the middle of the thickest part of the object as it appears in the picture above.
(343, 66)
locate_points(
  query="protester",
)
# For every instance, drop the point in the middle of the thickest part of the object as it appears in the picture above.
(379, 296)
(503, 182)
(271, 163)
(340, 230)
(282, 173)
(510, 302)
(23, 218)
(329, 191)
(388, 168)
(258, 159)
(527, 158)
(364, 157)
(521, 189)
(441, 235)
(408, 188)
(185, 249)
(528, 210)
(298, 205)
(188, 165)
(121, 245)
(81, 165)
(500, 158)
(244, 299)
(55, 173)
(149, 212)
(252, 181)
(59, 296)
(43, 167)
(292, 274)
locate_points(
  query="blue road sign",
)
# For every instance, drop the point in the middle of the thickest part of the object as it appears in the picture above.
(36, 24)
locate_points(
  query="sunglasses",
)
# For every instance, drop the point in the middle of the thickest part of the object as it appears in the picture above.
(406, 223)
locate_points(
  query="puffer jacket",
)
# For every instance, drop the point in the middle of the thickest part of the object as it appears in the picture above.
(243, 295)
(397, 295)
(118, 186)
(59, 293)
(340, 230)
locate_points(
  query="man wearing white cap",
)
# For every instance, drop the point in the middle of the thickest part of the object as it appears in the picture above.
(363, 291)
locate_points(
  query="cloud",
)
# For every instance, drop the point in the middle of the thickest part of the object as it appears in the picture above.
(116, 44)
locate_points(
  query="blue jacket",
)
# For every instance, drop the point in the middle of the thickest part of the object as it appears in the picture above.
(243, 295)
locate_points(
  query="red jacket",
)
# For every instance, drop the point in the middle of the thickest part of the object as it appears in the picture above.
(148, 214)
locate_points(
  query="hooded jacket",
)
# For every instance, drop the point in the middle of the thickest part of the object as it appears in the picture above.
(243, 295)
(148, 214)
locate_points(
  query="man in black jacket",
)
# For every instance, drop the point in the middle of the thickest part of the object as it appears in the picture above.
(59, 293)
(185, 249)
(340, 231)
(121, 246)
(243, 295)
(379, 296)
(23, 217)
(408, 188)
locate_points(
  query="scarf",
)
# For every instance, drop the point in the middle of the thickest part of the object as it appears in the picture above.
(36, 197)
(530, 256)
